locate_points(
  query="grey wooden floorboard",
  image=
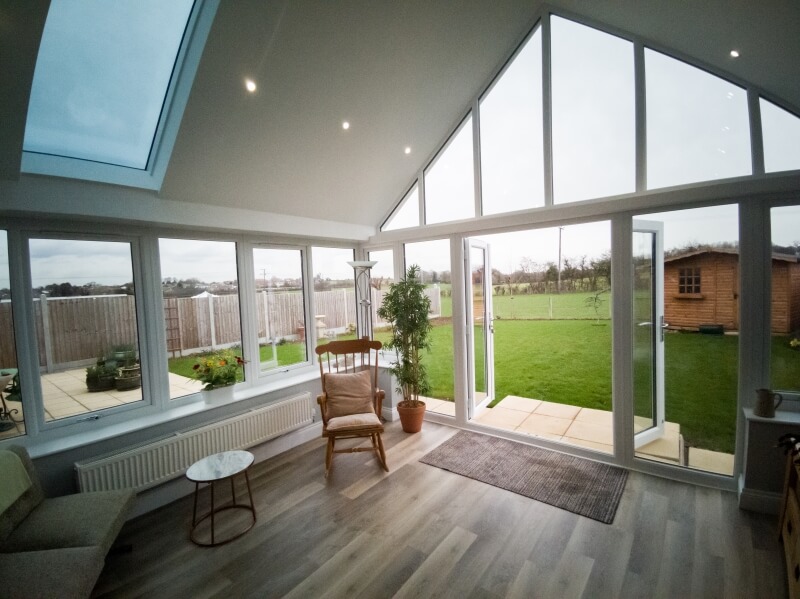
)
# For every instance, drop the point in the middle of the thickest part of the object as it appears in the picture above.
(422, 532)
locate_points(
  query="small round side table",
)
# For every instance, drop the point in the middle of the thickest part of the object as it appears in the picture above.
(217, 468)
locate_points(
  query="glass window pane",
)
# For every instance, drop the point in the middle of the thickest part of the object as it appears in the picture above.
(101, 78)
(781, 132)
(593, 113)
(433, 258)
(512, 163)
(406, 214)
(200, 286)
(84, 307)
(281, 308)
(697, 124)
(12, 422)
(449, 181)
(785, 353)
(334, 293)
(381, 276)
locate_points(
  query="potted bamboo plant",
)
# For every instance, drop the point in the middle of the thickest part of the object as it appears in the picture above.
(406, 307)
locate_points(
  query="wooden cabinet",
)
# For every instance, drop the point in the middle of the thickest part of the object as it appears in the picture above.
(790, 526)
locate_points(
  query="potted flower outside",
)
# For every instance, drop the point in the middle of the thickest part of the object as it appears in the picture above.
(406, 307)
(218, 370)
(100, 377)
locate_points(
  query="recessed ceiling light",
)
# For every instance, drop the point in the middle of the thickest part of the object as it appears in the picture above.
(250, 85)
(346, 125)
(734, 54)
(408, 150)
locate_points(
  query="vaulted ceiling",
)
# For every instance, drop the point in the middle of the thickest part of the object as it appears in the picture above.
(402, 73)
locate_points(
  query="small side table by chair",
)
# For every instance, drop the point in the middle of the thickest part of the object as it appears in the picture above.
(217, 468)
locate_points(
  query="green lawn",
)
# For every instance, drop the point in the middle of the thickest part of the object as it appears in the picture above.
(542, 306)
(569, 362)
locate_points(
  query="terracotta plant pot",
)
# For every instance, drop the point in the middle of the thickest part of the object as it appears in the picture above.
(411, 418)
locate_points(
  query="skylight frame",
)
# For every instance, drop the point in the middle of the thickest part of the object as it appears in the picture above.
(175, 99)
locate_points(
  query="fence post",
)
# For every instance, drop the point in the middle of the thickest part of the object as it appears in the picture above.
(551, 307)
(211, 324)
(48, 341)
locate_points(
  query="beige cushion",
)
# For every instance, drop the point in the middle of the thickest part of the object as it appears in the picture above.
(348, 394)
(353, 422)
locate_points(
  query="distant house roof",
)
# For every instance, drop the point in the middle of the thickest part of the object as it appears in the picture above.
(730, 251)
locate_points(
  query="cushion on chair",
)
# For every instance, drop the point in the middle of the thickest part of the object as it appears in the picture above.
(353, 422)
(64, 573)
(348, 394)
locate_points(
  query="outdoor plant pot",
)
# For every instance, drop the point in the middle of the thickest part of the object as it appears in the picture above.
(126, 383)
(411, 418)
(102, 383)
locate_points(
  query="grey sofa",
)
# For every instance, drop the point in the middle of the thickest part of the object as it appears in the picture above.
(57, 547)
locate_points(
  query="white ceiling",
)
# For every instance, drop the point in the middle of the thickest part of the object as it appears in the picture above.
(403, 73)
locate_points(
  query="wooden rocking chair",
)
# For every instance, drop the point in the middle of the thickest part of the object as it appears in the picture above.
(350, 401)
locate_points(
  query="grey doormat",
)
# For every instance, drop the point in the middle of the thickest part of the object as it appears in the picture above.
(575, 484)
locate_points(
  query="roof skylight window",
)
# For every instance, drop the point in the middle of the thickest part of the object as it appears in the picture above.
(106, 85)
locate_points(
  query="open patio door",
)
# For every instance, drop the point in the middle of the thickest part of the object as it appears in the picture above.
(648, 331)
(480, 331)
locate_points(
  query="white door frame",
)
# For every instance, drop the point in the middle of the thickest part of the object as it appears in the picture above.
(657, 230)
(476, 404)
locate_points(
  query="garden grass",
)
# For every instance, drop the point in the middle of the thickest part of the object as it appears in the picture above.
(569, 362)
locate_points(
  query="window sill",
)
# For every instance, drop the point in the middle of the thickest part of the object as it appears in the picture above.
(99, 432)
(689, 296)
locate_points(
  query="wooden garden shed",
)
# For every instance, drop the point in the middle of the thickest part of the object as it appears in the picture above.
(702, 288)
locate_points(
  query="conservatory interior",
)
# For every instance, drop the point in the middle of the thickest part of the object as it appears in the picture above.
(604, 210)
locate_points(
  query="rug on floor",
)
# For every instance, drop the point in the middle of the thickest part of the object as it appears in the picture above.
(587, 488)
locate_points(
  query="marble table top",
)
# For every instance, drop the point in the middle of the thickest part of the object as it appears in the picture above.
(219, 466)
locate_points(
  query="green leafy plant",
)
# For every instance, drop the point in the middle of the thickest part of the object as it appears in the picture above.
(217, 369)
(406, 307)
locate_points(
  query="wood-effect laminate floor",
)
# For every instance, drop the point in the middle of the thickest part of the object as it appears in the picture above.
(422, 532)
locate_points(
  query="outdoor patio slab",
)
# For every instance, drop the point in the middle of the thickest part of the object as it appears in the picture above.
(537, 424)
(512, 402)
(599, 417)
(710, 461)
(589, 431)
(547, 408)
(502, 418)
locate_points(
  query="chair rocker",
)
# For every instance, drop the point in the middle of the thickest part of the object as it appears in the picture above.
(351, 401)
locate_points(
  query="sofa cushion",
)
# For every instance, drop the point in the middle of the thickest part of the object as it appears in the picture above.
(75, 520)
(20, 509)
(15, 479)
(348, 393)
(64, 573)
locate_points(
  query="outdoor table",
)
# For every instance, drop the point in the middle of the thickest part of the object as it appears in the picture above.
(6, 421)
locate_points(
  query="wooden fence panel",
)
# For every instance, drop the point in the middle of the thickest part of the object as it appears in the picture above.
(8, 354)
(82, 328)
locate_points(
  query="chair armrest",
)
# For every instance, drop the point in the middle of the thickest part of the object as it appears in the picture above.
(322, 400)
(379, 397)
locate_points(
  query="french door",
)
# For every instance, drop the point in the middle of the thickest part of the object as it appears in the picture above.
(480, 331)
(648, 331)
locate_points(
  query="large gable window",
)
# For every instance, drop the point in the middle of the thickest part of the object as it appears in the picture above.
(449, 181)
(697, 124)
(781, 131)
(105, 103)
(593, 113)
(512, 167)
(406, 214)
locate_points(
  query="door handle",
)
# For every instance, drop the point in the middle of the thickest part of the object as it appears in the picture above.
(663, 326)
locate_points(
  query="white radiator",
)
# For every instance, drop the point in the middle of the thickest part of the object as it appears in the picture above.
(148, 465)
